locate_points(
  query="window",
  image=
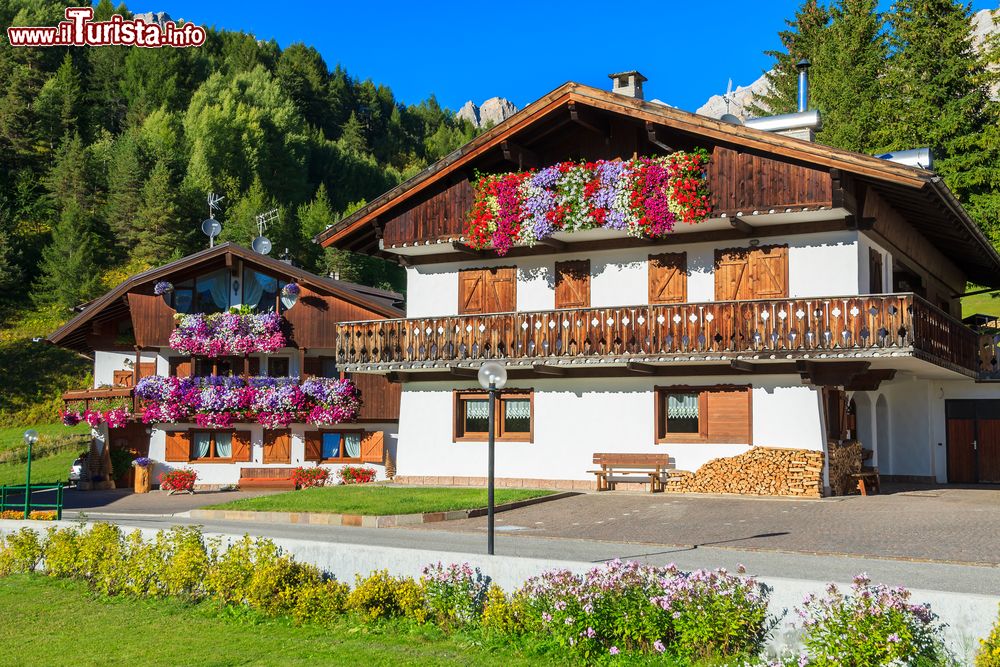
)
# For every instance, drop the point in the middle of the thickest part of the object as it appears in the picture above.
(277, 367)
(212, 292)
(720, 414)
(209, 445)
(261, 291)
(341, 446)
(514, 418)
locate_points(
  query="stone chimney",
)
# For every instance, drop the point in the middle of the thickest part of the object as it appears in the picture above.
(627, 83)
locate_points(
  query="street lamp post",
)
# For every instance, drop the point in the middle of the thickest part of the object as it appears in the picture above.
(30, 438)
(492, 377)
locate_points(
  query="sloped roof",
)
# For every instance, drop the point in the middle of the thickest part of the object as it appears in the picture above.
(379, 301)
(917, 193)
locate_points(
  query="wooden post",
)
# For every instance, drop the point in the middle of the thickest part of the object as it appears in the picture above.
(302, 364)
(135, 370)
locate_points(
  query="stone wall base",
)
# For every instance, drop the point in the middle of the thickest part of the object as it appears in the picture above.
(762, 471)
(501, 482)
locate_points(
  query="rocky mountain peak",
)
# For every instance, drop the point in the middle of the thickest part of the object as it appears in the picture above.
(491, 112)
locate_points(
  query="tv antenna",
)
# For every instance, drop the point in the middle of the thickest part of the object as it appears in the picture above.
(262, 244)
(728, 97)
(211, 227)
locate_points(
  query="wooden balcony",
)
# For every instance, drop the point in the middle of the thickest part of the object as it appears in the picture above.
(854, 327)
(83, 399)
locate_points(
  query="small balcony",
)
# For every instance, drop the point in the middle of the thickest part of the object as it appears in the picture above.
(855, 327)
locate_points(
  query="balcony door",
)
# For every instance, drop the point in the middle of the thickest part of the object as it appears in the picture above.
(482, 291)
(973, 432)
(742, 274)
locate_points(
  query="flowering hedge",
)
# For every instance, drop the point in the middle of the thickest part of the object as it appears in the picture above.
(220, 334)
(182, 479)
(643, 196)
(272, 402)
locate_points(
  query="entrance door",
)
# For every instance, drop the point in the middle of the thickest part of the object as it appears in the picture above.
(973, 430)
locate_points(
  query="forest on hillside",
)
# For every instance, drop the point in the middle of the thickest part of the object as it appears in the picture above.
(107, 154)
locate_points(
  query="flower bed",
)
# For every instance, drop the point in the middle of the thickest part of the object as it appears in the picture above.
(272, 402)
(643, 196)
(220, 334)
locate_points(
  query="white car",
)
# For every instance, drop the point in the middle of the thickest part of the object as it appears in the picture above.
(75, 471)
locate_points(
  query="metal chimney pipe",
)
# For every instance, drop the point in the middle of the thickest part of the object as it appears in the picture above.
(803, 67)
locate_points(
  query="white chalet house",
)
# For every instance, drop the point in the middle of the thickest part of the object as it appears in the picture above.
(816, 305)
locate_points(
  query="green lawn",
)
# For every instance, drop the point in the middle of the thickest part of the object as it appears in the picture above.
(48, 621)
(46, 467)
(980, 303)
(13, 436)
(377, 499)
(54, 468)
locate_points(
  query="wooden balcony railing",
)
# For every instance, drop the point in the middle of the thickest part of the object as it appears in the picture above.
(83, 399)
(786, 327)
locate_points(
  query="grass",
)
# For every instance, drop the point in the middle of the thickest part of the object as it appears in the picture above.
(377, 499)
(45, 621)
(13, 436)
(988, 304)
(53, 468)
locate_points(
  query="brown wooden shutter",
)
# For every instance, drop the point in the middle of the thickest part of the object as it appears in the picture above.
(668, 277)
(501, 289)
(254, 366)
(312, 366)
(180, 367)
(147, 369)
(769, 272)
(314, 446)
(874, 271)
(728, 415)
(732, 279)
(471, 292)
(242, 451)
(277, 447)
(372, 447)
(178, 447)
(573, 284)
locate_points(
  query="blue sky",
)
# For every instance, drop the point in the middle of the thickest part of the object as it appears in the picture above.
(516, 49)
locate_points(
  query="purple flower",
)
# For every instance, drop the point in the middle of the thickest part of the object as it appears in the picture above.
(291, 289)
(614, 650)
(162, 287)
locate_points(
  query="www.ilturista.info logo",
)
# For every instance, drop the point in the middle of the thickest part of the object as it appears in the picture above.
(80, 30)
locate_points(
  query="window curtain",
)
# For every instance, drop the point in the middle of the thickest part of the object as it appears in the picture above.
(517, 415)
(201, 443)
(682, 406)
(352, 445)
(218, 287)
(223, 445)
(477, 409)
(253, 287)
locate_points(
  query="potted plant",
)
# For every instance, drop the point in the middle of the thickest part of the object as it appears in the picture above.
(143, 466)
(178, 481)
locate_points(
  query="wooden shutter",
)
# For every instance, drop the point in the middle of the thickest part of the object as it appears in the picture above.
(242, 450)
(728, 415)
(147, 369)
(312, 366)
(874, 271)
(668, 277)
(501, 289)
(372, 447)
(277, 447)
(471, 292)
(769, 272)
(573, 284)
(123, 378)
(178, 447)
(180, 367)
(836, 414)
(314, 446)
(732, 275)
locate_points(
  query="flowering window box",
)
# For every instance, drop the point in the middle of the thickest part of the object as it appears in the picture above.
(222, 334)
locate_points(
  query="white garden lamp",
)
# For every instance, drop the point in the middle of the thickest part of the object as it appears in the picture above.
(492, 377)
(30, 438)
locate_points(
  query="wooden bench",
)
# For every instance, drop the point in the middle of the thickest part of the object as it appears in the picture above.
(266, 478)
(867, 480)
(617, 468)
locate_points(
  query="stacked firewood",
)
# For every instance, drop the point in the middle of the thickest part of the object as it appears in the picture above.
(845, 461)
(762, 471)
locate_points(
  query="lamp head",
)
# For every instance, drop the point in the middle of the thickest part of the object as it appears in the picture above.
(30, 436)
(492, 372)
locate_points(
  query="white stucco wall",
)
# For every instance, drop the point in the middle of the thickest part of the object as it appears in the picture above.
(229, 473)
(864, 268)
(818, 265)
(106, 363)
(576, 418)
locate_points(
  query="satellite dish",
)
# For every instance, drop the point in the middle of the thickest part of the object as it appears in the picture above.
(261, 245)
(211, 228)
(731, 119)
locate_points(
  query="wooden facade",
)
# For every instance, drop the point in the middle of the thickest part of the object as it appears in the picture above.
(790, 327)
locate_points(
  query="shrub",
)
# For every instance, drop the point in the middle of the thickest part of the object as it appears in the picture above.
(20, 552)
(503, 614)
(989, 649)
(380, 596)
(182, 479)
(143, 564)
(62, 552)
(455, 593)
(873, 625)
(229, 570)
(320, 602)
(307, 477)
(37, 515)
(356, 474)
(186, 562)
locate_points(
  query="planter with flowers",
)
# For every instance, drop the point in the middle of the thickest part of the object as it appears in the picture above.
(356, 475)
(143, 467)
(308, 477)
(232, 333)
(645, 197)
(180, 480)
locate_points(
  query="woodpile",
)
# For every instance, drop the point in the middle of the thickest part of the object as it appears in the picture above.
(845, 461)
(762, 471)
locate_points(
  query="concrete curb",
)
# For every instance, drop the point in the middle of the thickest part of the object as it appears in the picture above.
(361, 520)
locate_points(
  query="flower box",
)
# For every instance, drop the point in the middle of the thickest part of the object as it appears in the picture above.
(222, 334)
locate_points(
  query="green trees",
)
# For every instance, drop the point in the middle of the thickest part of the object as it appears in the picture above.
(70, 263)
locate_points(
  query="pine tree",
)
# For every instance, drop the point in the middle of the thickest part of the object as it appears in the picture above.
(59, 102)
(70, 263)
(71, 177)
(8, 268)
(352, 136)
(803, 39)
(850, 64)
(126, 173)
(158, 235)
(314, 217)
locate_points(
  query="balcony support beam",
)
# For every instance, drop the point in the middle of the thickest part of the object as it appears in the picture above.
(461, 372)
(555, 244)
(743, 366)
(831, 373)
(870, 380)
(398, 376)
(640, 368)
(741, 225)
(466, 249)
(545, 369)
